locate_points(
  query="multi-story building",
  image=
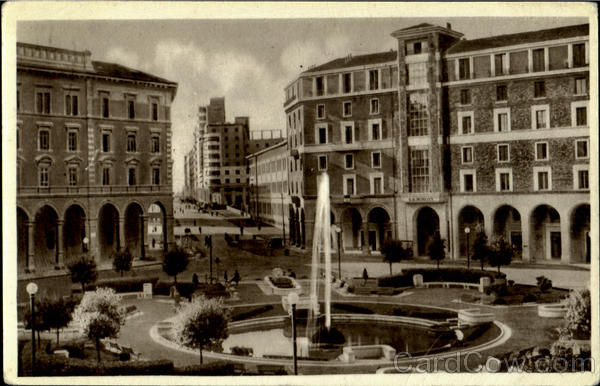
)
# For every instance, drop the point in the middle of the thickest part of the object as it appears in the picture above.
(93, 156)
(446, 134)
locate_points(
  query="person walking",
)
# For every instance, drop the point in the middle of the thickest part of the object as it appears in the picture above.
(365, 276)
(236, 277)
(225, 277)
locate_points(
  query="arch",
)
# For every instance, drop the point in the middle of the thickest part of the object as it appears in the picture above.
(109, 202)
(157, 226)
(427, 223)
(109, 239)
(133, 229)
(378, 226)
(469, 216)
(545, 239)
(22, 238)
(74, 232)
(45, 237)
(580, 234)
(507, 223)
(351, 229)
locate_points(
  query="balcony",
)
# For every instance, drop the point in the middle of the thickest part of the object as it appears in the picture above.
(35, 191)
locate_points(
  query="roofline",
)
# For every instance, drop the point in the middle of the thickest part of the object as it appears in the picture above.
(31, 45)
(420, 31)
(252, 155)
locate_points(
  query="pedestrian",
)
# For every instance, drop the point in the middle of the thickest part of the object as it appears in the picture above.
(236, 277)
(292, 274)
(199, 229)
(225, 277)
(195, 279)
(259, 226)
(241, 230)
(365, 276)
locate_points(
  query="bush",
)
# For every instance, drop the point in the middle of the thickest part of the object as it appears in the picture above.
(499, 301)
(511, 283)
(351, 289)
(531, 298)
(467, 298)
(124, 356)
(281, 282)
(122, 285)
(497, 289)
(75, 349)
(213, 368)
(461, 275)
(130, 309)
(544, 284)
(253, 312)
(242, 351)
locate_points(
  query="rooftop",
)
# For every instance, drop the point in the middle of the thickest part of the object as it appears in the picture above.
(118, 71)
(354, 61)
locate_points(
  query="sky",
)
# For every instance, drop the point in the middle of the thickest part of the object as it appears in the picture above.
(249, 62)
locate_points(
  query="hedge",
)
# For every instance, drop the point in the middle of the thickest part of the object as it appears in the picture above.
(122, 285)
(405, 279)
(187, 289)
(213, 368)
(253, 312)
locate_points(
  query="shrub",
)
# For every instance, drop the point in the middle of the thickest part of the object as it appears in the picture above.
(175, 262)
(122, 261)
(130, 309)
(213, 368)
(497, 289)
(577, 322)
(544, 284)
(394, 252)
(462, 275)
(124, 356)
(511, 283)
(467, 298)
(351, 289)
(530, 298)
(281, 282)
(499, 301)
(76, 349)
(83, 271)
(251, 313)
(128, 284)
(242, 351)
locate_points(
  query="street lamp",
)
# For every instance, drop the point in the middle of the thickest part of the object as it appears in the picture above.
(338, 231)
(32, 289)
(292, 301)
(467, 231)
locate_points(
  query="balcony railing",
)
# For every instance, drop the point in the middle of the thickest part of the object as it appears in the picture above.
(92, 190)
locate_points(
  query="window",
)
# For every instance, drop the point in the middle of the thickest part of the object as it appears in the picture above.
(155, 111)
(581, 116)
(375, 130)
(504, 180)
(465, 122)
(419, 170)
(321, 134)
(72, 173)
(155, 146)
(581, 177)
(105, 107)
(71, 105)
(417, 74)
(319, 85)
(464, 69)
(375, 106)
(541, 151)
(131, 145)
(542, 178)
(418, 115)
(373, 79)
(581, 149)
(106, 175)
(501, 64)
(501, 93)
(42, 102)
(579, 59)
(376, 159)
(465, 97)
(320, 111)
(501, 120)
(347, 82)
(540, 117)
(349, 185)
(105, 142)
(539, 89)
(72, 141)
(347, 132)
(155, 176)
(44, 175)
(322, 162)
(131, 174)
(467, 154)
(349, 161)
(44, 139)
(467, 181)
(538, 60)
(416, 48)
(580, 86)
(376, 183)
(503, 153)
(347, 109)
(131, 109)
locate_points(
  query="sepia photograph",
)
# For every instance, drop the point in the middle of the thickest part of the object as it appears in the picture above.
(300, 193)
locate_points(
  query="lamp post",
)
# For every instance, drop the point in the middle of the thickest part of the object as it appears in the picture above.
(32, 289)
(292, 301)
(467, 231)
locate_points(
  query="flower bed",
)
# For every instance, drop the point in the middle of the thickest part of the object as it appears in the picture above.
(405, 279)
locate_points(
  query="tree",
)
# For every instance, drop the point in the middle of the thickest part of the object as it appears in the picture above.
(501, 253)
(99, 315)
(394, 252)
(201, 323)
(577, 320)
(122, 261)
(480, 248)
(56, 314)
(437, 250)
(175, 262)
(83, 271)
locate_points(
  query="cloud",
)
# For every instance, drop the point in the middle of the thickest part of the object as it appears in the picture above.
(301, 54)
(122, 56)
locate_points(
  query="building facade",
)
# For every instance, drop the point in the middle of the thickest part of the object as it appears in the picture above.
(446, 134)
(93, 157)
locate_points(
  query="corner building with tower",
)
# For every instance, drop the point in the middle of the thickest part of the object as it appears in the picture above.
(445, 134)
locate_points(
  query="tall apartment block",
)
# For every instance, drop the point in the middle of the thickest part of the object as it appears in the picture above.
(93, 158)
(445, 134)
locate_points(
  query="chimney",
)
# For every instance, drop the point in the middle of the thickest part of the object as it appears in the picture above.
(448, 26)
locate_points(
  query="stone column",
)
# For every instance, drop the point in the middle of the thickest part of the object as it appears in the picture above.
(168, 231)
(121, 240)
(59, 244)
(30, 266)
(565, 239)
(366, 248)
(144, 230)
(525, 252)
(92, 235)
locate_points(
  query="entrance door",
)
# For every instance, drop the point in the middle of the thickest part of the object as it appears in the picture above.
(373, 240)
(517, 240)
(555, 247)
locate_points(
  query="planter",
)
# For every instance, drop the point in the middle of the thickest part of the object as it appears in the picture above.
(283, 291)
(417, 280)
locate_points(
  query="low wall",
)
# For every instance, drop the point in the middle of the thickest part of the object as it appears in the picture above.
(474, 316)
(375, 351)
(554, 310)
